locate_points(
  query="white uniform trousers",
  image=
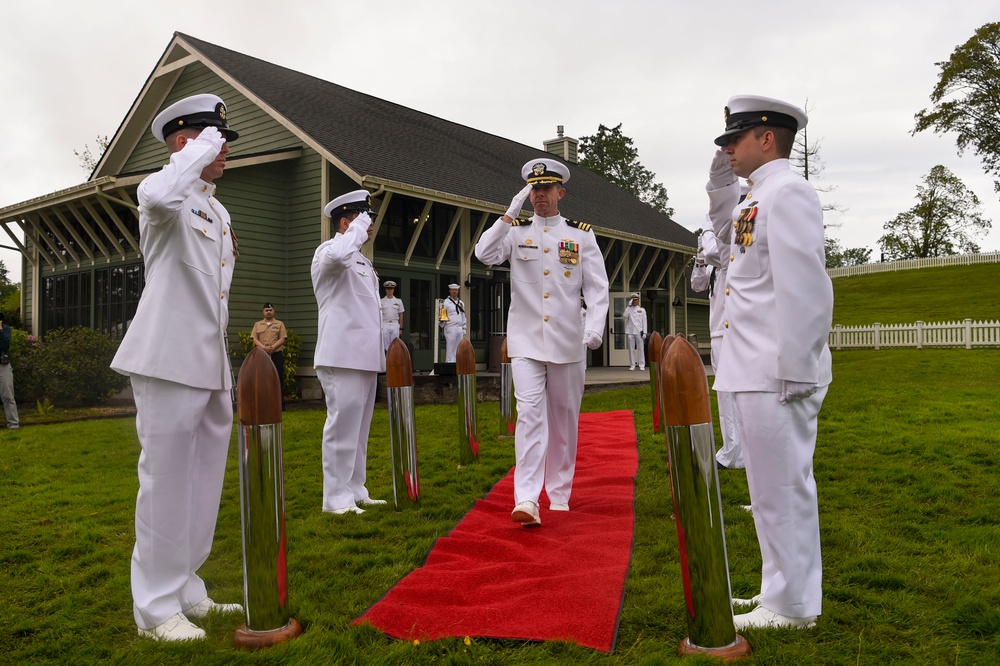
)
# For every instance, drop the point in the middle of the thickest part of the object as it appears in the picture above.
(731, 453)
(636, 350)
(548, 422)
(390, 331)
(350, 400)
(7, 395)
(452, 336)
(779, 442)
(184, 433)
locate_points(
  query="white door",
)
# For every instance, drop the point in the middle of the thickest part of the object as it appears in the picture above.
(618, 345)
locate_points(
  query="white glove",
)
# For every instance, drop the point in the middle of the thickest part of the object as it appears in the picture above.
(720, 174)
(517, 203)
(364, 219)
(211, 137)
(592, 339)
(791, 391)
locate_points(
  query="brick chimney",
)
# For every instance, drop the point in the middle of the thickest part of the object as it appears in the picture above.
(563, 147)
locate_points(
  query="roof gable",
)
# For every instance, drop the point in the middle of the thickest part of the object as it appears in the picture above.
(366, 136)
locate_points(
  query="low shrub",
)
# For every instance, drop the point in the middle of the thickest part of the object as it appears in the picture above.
(69, 367)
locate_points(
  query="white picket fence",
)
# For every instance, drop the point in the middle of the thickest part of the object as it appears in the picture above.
(965, 333)
(907, 264)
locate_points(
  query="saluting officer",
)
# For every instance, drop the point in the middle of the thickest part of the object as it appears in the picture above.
(552, 260)
(180, 372)
(349, 353)
(775, 359)
(454, 327)
(709, 273)
(392, 314)
(635, 332)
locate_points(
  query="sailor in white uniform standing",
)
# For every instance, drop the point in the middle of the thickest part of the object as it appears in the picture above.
(392, 314)
(179, 371)
(635, 332)
(349, 353)
(775, 359)
(454, 327)
(709, 273)
(552, 260)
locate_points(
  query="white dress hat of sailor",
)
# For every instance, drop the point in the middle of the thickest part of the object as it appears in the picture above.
(544, 171)
(453, 286)
(746, 111)
(389, 283)
(358, 201)
(198, 111)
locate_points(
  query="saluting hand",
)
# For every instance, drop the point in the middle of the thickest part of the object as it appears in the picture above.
(212, 137)
(720, 174)
(517, 203)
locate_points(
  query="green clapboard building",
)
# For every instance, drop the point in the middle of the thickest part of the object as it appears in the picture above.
(303, 141)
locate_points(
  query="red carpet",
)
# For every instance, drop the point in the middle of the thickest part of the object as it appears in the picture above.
(565, 580)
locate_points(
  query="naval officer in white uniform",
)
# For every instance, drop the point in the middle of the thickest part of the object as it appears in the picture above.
(455, 326)
(392, 314)
(552, 260)
(635, 332)
(775, 359)
(179, 369)
(709, 274)
(349, 353)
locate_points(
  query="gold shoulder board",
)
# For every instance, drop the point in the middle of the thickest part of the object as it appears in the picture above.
(582, 226)
(520, 223)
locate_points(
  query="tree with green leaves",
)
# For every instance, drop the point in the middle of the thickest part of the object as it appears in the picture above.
(966, 98)
(837, 256)
(944, 221)
(611, 154)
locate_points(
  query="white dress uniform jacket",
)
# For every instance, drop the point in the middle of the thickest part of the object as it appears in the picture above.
(544, 320)
(779, 306)
(346, 286)
(635, 320)
(187, 243)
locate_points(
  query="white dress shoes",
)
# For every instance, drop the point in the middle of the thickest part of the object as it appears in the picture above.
(752, 601)
(526, 513)
(345, 509)
(176, 628)
(206, 606)
(368, 501)
(761, 618)
(558, 507)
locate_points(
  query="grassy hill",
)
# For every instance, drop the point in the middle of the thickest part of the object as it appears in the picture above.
(947, 293)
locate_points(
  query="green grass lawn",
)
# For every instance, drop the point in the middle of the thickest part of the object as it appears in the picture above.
(947, 293)
(909, 489)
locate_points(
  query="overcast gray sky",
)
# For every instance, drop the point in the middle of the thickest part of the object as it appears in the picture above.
(518, 68)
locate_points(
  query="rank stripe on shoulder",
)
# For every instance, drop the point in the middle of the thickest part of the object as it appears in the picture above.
(520, 223)
(582, 226)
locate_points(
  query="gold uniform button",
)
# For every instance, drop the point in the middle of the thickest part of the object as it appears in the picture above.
(223, 297)
(545, 229)
(204, 187)
(223, 262)
(545, 319)
(546, 250)
(569, 274)
(732, 257)
(225, 231)
(545, 295)
(204, 230)
(545, 272)
(727, 291)
(726, 325)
